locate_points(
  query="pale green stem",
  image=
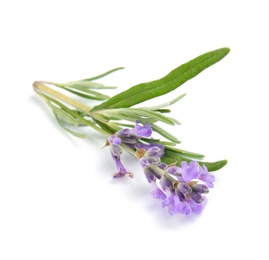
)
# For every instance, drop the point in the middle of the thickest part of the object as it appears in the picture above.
(78, 105)
(58, 95)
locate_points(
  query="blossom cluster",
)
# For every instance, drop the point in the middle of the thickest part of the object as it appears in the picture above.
(181, 188)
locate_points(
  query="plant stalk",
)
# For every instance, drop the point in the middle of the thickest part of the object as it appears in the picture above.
(58, 95)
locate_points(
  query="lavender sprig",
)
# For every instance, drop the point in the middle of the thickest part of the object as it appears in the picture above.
(179, 178)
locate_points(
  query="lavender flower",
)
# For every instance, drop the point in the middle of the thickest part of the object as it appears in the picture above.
(132, 136)
(182, 188)
(116, 151)
(129, 137)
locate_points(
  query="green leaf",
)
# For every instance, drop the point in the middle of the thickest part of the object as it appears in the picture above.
(214, 166)
(159, 107)
(174, 154)
(80, 84)
(62, 115)
(67, 129)
(140, 114)
(104, 74)
(95, 95)
(171, 81)
(171, 156)
(164, 133)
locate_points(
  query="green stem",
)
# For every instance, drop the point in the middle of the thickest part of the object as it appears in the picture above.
(76, 104)
(74, 114)
(44, 91)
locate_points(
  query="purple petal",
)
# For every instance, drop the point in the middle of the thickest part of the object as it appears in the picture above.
(196, 197)
(116, 151)
(166, 184)
(184, 208)
(144, 161)
(156, 171)
(114, 140)
(156, 192)
(176, 206)
(155, 151)
(126, 132)
(207, 178)
(162, 166)
(184, 188)
(149, 146)
(149, 174)
(121, 170)
(144, 130)
(169, 198)
(200, 188)
(191, 171)
(195, 207)
(174, 170)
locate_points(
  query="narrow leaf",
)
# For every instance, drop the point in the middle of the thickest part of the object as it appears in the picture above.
(95, 95)
(158, 107)
(143, 115)
(80, 84)
(176, 154)
(214, 166)
(104, 74)
(165, 134)
(171, 81)
(64, 116)
(65, 128)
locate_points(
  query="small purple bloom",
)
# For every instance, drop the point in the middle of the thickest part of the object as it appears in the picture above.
(196, 197)
(144, 130)
(150, 176)
(144, 161)
(182, 196)
(132, 136)
(175, 205)
(195, 207)
(207, 178)
(175, 170)
(114, 140)
(121, 170)
(116, 151)
(149, 146)
(155, 151)
(189, 171)
(200, 188)
(157, 193)
(184, 188)
(165, 183)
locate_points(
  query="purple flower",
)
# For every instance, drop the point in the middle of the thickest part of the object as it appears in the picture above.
(157, 193)
(195, 207)
(144, 130)
(131, 136)
(122, 171)
(184, 195)
(152, 145)
(207, 178)
(181, 188)
(114, 140)
(116, 151)
(175, 204)
(189, 172)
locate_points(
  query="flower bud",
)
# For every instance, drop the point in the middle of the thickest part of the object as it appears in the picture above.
(156, 171)
(196, 197)
(200, 188)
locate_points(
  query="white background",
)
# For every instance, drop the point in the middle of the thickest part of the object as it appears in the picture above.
(57, 197)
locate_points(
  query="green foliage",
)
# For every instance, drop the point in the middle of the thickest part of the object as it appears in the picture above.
(111, 115)
(178, 76)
